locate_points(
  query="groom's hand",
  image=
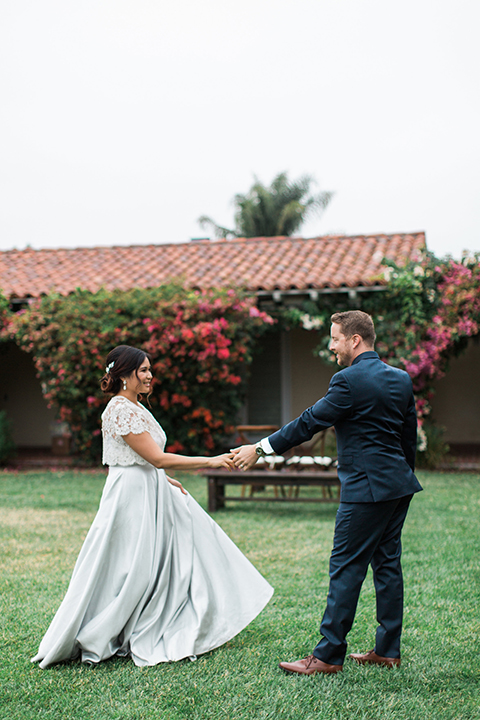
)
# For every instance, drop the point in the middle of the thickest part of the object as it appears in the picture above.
(244, 457)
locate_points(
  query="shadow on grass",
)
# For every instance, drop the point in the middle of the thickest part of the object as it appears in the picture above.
(279, 511)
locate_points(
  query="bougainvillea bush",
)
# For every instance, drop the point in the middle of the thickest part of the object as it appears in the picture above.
(424, 317)
(433, 308)
(200, 342)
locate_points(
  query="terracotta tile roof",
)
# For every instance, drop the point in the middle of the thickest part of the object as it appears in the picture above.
(278, 263)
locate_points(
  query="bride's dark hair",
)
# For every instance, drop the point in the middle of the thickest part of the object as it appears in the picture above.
(121, 362)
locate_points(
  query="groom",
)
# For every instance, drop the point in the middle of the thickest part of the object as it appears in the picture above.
(372, 408)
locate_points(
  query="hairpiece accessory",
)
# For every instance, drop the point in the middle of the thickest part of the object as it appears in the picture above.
(124, 384)
(109, 367)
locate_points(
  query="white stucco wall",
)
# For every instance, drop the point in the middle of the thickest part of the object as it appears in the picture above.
(309, 375)
(456, 403)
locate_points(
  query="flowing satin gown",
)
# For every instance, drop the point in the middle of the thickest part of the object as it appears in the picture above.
(156, 579)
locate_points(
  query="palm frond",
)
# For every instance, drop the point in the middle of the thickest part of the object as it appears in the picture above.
(280, 209)
(218, 230)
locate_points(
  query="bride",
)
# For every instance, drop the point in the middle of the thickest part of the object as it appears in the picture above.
(156, 579)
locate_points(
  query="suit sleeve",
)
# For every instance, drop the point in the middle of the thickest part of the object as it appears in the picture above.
(334, 406)
(409, 433)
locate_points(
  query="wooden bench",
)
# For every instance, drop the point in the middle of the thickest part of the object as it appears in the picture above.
(218, 479)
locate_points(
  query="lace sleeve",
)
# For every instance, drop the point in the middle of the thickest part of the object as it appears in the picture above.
(120, 418)
(125, 419)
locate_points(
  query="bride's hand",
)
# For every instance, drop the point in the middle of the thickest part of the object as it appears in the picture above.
(177, 484)
(222, 461)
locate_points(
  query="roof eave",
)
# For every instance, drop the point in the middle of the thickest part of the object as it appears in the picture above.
(313, 293)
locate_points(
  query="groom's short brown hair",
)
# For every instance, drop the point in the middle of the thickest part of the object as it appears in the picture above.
(356, 322)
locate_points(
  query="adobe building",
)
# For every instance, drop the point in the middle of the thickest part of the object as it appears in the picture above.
(286, 376)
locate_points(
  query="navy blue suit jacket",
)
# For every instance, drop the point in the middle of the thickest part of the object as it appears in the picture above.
(372, 408)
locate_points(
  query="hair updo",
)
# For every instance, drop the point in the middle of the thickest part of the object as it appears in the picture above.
(121, 362)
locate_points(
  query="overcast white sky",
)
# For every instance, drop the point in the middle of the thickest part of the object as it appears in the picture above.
(123, 121)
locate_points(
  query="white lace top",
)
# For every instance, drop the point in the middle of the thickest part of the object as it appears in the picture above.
(120, 417)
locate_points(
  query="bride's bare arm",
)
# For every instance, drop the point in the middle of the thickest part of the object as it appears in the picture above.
(145, 446)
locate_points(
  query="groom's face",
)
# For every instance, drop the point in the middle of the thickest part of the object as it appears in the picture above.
(341, 346)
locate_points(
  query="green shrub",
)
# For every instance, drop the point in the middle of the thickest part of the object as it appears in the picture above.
(200, 343)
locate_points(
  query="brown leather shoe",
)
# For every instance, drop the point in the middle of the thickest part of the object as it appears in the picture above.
(310, 666)
(371, 658)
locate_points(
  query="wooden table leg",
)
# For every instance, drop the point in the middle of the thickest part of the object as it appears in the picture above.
(216, 495)
(212, 496)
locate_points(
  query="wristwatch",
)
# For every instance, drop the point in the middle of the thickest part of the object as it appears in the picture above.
(259, 450)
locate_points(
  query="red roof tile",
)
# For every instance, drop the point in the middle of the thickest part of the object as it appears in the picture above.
(282, 263)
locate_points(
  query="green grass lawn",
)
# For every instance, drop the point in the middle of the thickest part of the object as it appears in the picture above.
(45, 516)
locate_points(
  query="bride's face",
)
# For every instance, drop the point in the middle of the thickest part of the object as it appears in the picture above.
(142, 377)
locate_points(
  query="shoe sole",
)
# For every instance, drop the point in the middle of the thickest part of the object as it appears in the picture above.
(314, 672)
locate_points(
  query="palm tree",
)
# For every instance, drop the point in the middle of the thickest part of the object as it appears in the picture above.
(269, 211)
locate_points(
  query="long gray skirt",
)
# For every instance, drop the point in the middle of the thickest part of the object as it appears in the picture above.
(156, 579)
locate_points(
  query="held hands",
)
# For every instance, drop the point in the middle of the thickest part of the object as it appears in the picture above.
(222, 461)
(244, 457)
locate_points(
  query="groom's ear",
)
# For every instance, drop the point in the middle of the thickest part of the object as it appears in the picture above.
(356, 340)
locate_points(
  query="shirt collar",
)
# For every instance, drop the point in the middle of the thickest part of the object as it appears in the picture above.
(368, 355)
